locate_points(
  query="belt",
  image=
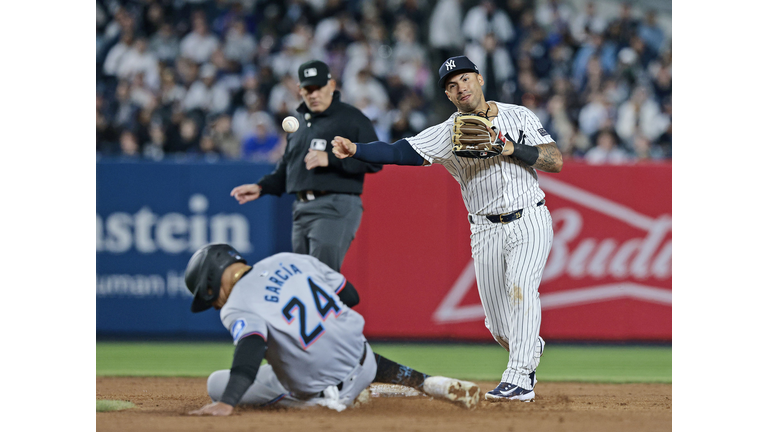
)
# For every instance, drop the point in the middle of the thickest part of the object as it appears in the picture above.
(506, 218)
(341, 384)
(311, 195)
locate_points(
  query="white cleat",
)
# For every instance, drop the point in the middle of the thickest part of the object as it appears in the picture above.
(463, 393)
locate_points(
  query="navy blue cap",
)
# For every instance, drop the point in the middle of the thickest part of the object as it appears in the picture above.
(453, 65)
(314, 73)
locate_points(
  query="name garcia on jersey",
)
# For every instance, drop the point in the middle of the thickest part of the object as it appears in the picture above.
(278, 278)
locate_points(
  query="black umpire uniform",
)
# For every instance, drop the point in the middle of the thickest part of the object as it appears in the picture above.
(328, 208)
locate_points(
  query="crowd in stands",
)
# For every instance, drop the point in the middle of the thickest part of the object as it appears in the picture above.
(212, 79)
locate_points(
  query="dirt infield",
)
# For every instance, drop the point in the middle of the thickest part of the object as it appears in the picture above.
(162, 404)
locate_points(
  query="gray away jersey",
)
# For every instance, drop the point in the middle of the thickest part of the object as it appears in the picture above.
(495, 185)
(313, 339)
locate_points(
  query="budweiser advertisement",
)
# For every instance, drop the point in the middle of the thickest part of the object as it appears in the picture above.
(608, 277)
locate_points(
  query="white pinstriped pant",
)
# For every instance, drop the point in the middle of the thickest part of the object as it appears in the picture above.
(509, 262)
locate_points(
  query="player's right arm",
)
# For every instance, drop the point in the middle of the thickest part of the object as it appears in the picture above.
(245, 365)
(399, 153)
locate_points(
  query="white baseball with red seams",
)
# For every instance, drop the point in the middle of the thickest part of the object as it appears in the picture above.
(290, 124)
(509, 257)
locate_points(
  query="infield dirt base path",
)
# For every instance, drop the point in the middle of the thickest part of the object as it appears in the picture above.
(162, 404)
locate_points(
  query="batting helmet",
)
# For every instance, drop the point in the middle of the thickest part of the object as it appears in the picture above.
(204, 270)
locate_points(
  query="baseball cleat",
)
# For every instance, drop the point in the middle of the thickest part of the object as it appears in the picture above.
(463, 393)
(508, 392)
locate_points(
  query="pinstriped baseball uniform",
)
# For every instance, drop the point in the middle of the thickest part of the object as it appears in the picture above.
(509, 258)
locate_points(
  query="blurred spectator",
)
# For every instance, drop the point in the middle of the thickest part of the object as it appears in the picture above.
(409, 57)
(495, 65)
(597, 46)
(224, 138)
(106, 133)
(263, 143)
(443, 37)
(285, 98)
(587, 22)
(199, 44)
(184, 138)
(239, 46)
(206, 94)
(595, 115)
(651, 33)
(487, 18)
(407, 120)
(243, 119)
(665, 140)
(625, 26)
(365, 86)
(165, 44)
(206, 148)
(640, 115)
(126, 109)
(553, 15)
(662, 83)
(129, 145)
(115, 56)
(606, 150)
(295, 51)
(154, 149)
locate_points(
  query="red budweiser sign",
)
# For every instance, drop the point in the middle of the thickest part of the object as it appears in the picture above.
(608, 276)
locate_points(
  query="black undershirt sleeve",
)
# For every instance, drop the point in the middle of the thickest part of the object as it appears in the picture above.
(400, 153)
(349, 295)
(245, 364)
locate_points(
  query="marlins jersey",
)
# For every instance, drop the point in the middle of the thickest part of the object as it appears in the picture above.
(495, 185)
(290, 300)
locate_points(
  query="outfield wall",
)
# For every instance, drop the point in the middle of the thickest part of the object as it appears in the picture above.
(608, 276)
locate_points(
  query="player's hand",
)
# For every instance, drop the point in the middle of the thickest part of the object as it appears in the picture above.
(246, 193)
(316, 158)
(214, 409)
(343, 148)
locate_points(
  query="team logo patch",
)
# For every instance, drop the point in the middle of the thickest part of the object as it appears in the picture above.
(450, 64)
(237, 329)
(543, 132)
(310, 72)
(318, 144)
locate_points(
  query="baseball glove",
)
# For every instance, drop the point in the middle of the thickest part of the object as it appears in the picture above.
(475, 137)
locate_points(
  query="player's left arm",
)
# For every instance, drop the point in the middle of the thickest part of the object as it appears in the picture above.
(534, 146)
(245, 364)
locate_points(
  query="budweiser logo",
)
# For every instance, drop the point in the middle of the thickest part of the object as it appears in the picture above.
(624, 266)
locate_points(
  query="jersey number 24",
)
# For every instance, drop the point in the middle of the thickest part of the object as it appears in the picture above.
(324, 304)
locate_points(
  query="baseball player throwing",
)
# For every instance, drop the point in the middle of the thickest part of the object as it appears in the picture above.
(493, 150)
(293, 311)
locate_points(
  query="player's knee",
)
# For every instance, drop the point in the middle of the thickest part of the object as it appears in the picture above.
(503, 341)
(217, 382)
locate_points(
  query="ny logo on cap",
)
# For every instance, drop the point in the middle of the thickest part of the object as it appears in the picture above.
(310, 72)
(450, 64)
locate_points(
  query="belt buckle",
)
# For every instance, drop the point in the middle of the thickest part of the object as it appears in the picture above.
(501, 218)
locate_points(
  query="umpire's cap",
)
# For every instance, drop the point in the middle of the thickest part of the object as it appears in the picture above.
(454, 65)
(204, 270)
(314, 73)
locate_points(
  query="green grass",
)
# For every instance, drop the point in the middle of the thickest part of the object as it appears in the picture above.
(112, 405)
(616, 364)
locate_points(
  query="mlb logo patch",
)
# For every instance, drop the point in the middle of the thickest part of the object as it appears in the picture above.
(318, 144)
(543, 132)
(310, 72)
(237, 329)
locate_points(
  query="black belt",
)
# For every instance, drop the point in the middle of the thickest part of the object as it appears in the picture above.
(311, 195)
(341, 384)
(509, 217)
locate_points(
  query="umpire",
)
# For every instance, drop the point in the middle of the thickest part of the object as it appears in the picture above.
(328, 208)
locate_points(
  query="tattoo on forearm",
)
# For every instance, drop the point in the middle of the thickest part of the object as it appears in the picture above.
(550, 159)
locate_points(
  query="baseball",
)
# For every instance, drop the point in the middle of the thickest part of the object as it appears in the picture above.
(290, 124)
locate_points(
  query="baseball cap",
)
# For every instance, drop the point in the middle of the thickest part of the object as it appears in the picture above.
(314, 73)
(454, 65)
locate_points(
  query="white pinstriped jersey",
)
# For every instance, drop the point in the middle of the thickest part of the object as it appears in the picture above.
(495, 185)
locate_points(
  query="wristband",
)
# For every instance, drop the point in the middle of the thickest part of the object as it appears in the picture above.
(527, 154)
